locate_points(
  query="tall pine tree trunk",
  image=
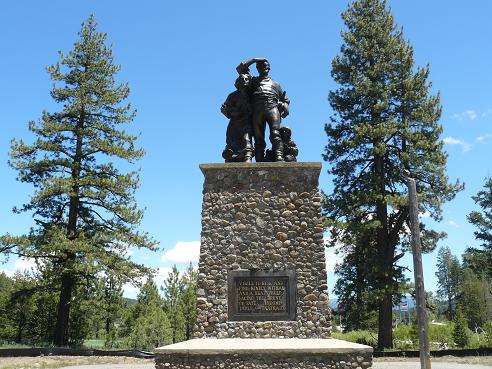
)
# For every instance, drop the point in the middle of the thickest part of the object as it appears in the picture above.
(189, 331)
(108, 328)
(359, 301)
(385, 333)
(108, 292)
(174, 333)
(20, 325)
(63, 316)
(450, 309)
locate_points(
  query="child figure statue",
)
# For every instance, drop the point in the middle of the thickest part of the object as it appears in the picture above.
(289, 147)
(237, 108)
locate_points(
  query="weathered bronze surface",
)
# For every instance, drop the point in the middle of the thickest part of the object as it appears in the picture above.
(261, 295)
(258, 101)
(237, 108)
(290, 149)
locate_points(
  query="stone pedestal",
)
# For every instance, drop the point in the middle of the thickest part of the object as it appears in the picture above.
(262, 217)
(262, 274)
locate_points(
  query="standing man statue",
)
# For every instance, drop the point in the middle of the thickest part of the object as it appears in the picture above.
(270, 105)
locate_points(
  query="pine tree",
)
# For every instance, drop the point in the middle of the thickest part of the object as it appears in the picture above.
(188, 301)
(109, 307)
(22, 307)
(83, 311)
(173, 288)
(385, 121)
(6, 328)
(461, 332)
(84, 207)
(475, 298)
(45, 318)
(488, 332)
(448, 278)
(147, 325)
(353, 285)
(113, 303)
(480, 260)
(27, 309)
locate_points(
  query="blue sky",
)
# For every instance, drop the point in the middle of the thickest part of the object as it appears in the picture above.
(179, 58)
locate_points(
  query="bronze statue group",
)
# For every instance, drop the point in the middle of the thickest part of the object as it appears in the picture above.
(257, 101)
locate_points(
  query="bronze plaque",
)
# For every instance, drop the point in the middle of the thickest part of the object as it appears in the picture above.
(261, 295)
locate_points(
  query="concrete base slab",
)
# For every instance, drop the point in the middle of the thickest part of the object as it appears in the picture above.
(259, 353)
(210, 346)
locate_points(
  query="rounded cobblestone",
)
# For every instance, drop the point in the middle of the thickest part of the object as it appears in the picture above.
(267, 219)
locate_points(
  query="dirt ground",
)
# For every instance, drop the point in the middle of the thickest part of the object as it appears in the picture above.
(45, 362)
(482, 360)
(49, 362)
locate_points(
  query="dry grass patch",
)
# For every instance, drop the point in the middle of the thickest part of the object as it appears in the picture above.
(481, 360)
(51, 362)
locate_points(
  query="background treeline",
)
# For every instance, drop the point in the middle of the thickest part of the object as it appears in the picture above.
(460, 311)
(100, 315)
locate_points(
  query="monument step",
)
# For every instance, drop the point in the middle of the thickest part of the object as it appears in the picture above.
(264, 353)
(218, 346)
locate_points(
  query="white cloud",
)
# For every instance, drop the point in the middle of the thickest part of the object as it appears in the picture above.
(183, 252)
(21, 265)
(454, 141)
(8, 273)
(487, 112)
(453, 223)
(332, 258)
(484, 137)
(471, 114)
(466, 115)
(425, 214)
(161, 276)
(25, 265)
(131, 291)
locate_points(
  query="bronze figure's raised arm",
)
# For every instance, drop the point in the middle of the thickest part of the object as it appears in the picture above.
(243, 67)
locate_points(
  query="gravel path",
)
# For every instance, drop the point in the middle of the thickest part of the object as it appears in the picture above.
(111, 366)
(416, 365)
(380, 365)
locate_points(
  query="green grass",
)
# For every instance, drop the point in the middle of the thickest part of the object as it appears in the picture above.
(94, 343)
(363, 337)
(100, 344)
(13, 346)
